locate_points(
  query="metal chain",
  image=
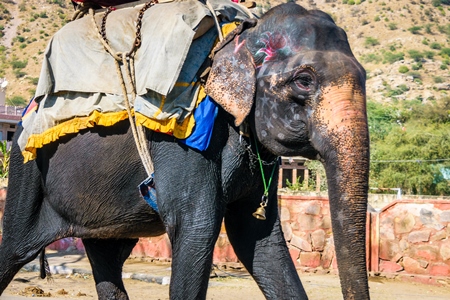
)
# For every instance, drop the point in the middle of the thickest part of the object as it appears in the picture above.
(254, 158)
(103, 27)
(138, 38)
(127, 60)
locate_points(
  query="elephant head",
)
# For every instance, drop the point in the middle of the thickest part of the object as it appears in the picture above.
(293, 76)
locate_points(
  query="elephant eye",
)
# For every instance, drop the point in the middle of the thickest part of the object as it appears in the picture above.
(304, 80)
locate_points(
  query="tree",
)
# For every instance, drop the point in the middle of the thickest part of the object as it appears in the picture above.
(410, 146)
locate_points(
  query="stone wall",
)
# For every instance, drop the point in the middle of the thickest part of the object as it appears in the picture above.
(306, 225)
(410, 237)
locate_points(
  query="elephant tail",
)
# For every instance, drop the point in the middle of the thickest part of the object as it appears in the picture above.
(44, 266)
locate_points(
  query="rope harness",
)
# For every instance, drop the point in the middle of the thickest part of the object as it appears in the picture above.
(127, 60)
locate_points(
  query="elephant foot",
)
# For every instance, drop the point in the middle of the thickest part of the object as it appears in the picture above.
(108, 291)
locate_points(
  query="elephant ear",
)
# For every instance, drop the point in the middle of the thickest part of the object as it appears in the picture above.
(231, 81)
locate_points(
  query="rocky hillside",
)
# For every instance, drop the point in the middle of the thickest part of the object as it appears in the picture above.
(403, 44)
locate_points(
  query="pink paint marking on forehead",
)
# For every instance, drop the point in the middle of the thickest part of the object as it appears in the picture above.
(277, 45)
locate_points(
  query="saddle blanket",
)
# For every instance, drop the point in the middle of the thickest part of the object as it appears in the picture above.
(79, 87)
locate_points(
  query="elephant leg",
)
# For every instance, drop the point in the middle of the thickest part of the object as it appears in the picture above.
(14, 254)
(22, 241)
(191, 207)
(107, 258)
(193, 236)
(26, 229)
(261, 247)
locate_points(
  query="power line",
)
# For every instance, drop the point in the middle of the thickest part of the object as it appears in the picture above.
(411, 160)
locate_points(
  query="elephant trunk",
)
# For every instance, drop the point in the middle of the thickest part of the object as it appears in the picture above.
(343, 144)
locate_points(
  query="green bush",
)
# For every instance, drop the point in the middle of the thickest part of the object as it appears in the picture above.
(445, 29)
(437, 3)
(403, 69)
(438, 79)
(416, 66)
(397, 91)
(435, 46)
(18, 65)
(415, 29)
(445, 52)
(17, 101)
(416, 55)
(371, 58)
(20, 38)
(429, 54)
(443, 67)
(391, 57)
(392, 26)
(370, 42)
(61, 3)
(415, 75)
(5, 159)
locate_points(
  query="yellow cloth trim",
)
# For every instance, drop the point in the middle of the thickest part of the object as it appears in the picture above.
(184, 84)
(179, 130)
(171, 126)
(36, 141)
(229, 27)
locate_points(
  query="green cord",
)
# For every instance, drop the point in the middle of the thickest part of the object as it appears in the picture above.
(266, 187)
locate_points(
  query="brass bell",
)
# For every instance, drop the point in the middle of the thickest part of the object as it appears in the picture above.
(260, 213)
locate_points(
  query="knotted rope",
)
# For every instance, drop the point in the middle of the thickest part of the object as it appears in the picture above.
(83, 9)
(127, 60)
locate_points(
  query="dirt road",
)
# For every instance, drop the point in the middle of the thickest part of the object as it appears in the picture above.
(10, 31)
(318, 287)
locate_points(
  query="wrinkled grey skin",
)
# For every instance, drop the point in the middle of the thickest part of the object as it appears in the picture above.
(302, 92)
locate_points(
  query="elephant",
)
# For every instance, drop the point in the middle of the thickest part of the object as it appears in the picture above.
(292, 78)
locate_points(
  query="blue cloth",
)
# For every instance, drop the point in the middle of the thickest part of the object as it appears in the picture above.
(148, 192)
(204, 115)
